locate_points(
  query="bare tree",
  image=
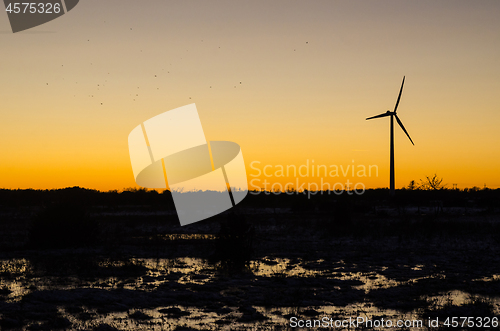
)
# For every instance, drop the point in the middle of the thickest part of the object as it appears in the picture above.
(432, 183)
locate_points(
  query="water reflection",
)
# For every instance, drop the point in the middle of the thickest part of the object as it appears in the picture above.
(162, 293)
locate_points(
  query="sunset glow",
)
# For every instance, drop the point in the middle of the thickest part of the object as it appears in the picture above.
(290, 81)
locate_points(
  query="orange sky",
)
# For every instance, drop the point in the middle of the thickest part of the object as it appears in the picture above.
(310, 73)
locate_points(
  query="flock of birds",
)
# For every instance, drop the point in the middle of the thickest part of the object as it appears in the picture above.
(101, 85)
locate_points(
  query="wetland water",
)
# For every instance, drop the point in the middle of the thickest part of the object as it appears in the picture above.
(141, 280)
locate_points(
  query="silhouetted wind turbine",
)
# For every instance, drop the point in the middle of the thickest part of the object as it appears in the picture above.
(392, 115)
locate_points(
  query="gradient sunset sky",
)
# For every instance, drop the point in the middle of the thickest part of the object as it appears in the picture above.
(289, 81)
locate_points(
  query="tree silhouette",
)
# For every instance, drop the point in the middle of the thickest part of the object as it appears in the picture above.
(412, 186)
(433, 183)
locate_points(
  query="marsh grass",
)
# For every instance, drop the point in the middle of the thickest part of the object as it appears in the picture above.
(473, 307)
(63, 225)
(234, 244)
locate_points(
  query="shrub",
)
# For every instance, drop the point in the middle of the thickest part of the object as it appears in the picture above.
(61, 226)
(234, 244)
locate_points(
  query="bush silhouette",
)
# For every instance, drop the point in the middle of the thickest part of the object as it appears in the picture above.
(234, 245)
(63, 225)
(433, 183)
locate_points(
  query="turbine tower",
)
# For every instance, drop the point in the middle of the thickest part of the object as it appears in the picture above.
(392, 115)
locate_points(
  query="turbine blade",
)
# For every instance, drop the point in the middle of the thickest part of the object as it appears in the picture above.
(377, 116)
(403, 127)
(399, 96)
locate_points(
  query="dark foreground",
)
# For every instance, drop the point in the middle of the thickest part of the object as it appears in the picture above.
(253, 270)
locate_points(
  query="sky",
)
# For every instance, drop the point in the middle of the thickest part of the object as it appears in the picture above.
(291, 82)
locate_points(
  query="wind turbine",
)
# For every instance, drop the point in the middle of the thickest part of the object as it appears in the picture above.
(392, 115)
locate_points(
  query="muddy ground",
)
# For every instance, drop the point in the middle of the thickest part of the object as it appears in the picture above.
(253, 270)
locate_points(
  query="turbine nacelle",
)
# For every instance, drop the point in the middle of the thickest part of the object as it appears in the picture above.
(393, 113)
